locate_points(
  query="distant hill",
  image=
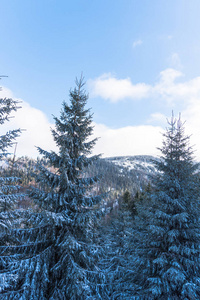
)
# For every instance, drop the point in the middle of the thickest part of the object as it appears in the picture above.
(140, 163)
(117, 174)
(123, 173)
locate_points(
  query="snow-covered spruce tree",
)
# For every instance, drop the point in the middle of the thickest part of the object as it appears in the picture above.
(68, 203)
(8, 183)
(9, 193)
(169, 257)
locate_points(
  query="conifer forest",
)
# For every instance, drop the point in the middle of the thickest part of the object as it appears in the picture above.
(76, 226)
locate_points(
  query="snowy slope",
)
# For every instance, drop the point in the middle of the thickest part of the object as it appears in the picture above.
(141, 163)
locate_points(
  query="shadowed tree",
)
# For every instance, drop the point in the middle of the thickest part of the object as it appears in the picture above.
(56, 257)
(169, 257)
(8, 183)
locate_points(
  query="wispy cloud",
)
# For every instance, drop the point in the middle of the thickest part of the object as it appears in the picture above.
(157, 118)
(175, 61)
(137, 43)
(169, 37)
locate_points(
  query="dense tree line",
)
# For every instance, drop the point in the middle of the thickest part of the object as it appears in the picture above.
(70, 246)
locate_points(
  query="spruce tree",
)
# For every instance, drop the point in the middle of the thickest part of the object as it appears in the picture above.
(55, 255)
(8, 183)
(169, 257)
(69, 200)
(9, 195)
(130, 202)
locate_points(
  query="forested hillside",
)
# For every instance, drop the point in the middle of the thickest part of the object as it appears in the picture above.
(118, 174)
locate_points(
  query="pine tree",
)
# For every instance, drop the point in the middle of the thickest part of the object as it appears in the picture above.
(169, 257)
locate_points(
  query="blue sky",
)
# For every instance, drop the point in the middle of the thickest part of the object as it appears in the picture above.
(140, 60)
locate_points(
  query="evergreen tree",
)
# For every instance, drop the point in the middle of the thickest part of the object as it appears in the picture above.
(169, 258)
(130, 202)
(9, 195)
(70, 199)
(8, 183)
(56, 257)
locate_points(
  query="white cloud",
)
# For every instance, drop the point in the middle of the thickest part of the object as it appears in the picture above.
(130, 140)
(192, 117)
(157, 118)
(36, 125)
(109, 87)
(171, 89)
(186, 93)
(6, 93)
(173, 92)
(167, 88)
(175, 61)
(137, 43)
(168, 76)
